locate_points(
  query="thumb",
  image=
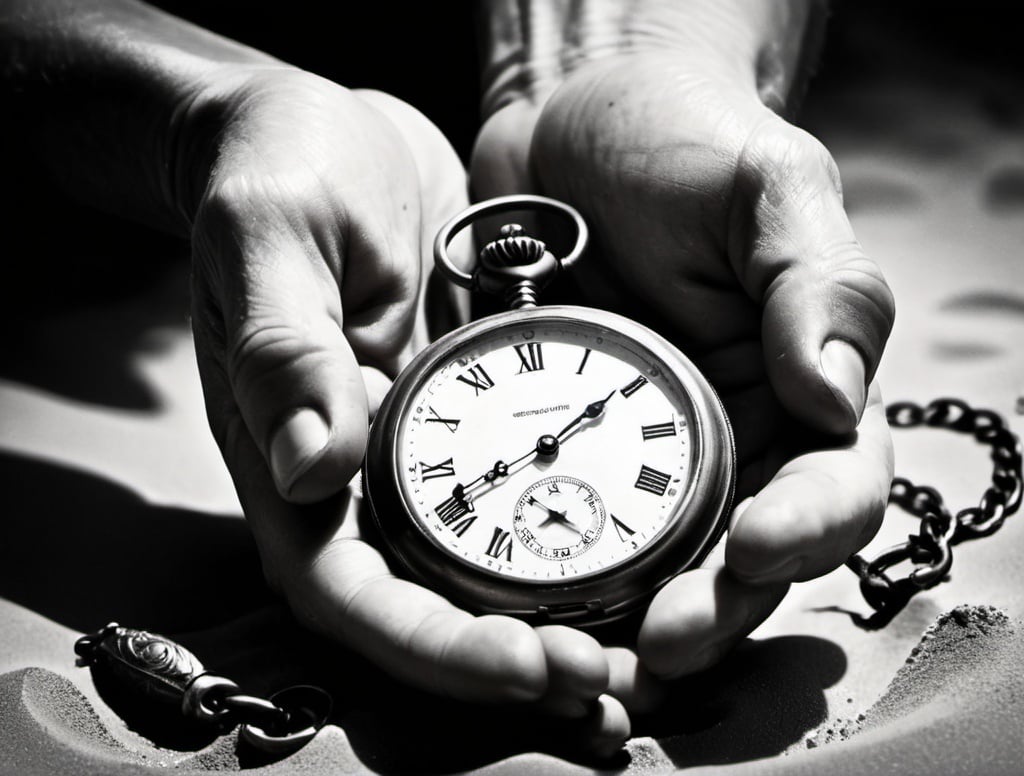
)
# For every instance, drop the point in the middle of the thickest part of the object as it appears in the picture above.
(269, 319)
(826, 309)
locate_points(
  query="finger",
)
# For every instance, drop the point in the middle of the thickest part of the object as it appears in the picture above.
(415, 634)
(296, 383)
(826, 309)
(698, 617)
(268, 305)
(607, 727)
(818, 509)
(577, 670)
(377, 385)
(338, 585)
(596, 736)
(639, 691)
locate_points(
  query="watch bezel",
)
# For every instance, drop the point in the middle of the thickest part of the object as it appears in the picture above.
(693, 528)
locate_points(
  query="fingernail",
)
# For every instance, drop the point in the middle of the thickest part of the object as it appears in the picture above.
(844, 370)
(294, 447)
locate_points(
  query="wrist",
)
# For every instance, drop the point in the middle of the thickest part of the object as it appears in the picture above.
(101, 91)
(529, 48)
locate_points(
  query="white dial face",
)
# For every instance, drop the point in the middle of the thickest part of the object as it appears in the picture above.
(546, 451)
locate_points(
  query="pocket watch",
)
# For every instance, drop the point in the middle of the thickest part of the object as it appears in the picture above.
(554, 463)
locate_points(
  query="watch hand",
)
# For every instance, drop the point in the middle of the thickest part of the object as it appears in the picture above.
(550, 511)
(547, 446)
(554, 516)
(561, 519)
(500, 469)
(593, 410)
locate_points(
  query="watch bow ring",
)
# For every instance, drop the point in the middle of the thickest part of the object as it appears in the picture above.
(513, 248)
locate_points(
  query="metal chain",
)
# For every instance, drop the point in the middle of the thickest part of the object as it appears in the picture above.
(221, 701)
(156, 667)
(930, 550)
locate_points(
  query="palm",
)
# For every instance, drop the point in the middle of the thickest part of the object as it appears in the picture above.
(311, 242)
(659, 209)
(722, 227)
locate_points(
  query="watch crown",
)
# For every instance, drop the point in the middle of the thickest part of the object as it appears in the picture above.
(514, 248)
(516, 266)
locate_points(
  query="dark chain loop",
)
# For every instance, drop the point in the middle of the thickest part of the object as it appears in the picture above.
(252, 710)
(212, 698)
(930, 550)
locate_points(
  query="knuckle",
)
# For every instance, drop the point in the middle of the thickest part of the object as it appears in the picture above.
(862, 280)
(225, 203)
(260, 348)
(222, 221)
(268, 361)
(778, 153)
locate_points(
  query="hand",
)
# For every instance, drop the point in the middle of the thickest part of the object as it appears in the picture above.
(311, 232)
(722, 226)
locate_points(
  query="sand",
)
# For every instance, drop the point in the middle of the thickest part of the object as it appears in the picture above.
(956, 657)
(968, 666)
(116, 506)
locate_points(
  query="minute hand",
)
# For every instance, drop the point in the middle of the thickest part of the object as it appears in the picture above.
(593, 410)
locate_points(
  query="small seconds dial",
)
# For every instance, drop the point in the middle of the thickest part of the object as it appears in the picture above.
(559, 517)
(545, 451)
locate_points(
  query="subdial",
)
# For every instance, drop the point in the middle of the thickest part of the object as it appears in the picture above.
(559, 517)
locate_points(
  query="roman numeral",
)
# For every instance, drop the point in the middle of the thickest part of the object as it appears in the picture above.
(530, 356)
(623, 530)
(452, 424)
(459, 527)
(452, 509)
(501, 544)
(634, 386)
(477, 378)
(431, 472)
(583, 363)
(652, 480)
(656, 430)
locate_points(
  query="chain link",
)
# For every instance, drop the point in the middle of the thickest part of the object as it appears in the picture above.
(930, 550)
(156, 667)
(237, 708)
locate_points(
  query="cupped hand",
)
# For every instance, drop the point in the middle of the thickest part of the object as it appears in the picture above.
(315, 209)
(722, 226)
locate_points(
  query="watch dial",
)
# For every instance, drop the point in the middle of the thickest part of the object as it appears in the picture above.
(546, 451)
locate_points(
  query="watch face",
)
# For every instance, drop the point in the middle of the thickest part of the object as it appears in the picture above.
(545, 449)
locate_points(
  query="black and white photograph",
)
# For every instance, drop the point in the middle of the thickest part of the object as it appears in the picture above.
(511, 387)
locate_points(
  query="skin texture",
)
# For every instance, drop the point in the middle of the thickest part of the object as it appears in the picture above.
(310, 210)
(722, 226)
(283, 353)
